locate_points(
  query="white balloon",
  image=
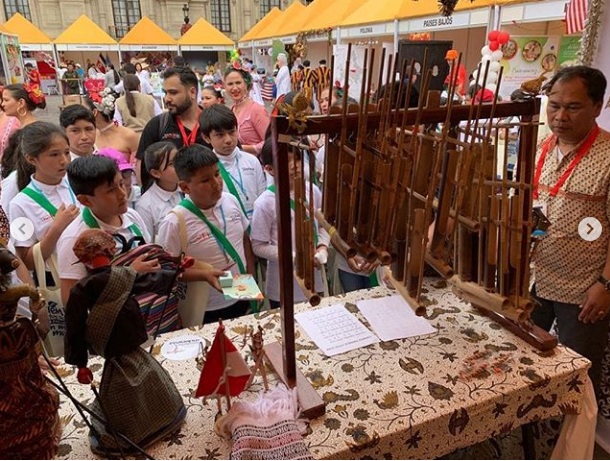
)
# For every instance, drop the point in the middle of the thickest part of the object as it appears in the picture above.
(496, 55)
(475, 74)
(491, 87)
(492, 77)
(494, 66)
(484, 59)
(485, 51)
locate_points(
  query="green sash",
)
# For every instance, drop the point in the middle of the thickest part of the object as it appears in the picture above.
(226, 177)
(91, 222)
(217, 233)
(41, 200)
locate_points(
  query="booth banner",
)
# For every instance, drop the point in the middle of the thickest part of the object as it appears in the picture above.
(568, 51)
(355, 70)
(526, 58)
(11, 51)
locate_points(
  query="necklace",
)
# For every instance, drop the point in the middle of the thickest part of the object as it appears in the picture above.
(240, 102)
(106, 128)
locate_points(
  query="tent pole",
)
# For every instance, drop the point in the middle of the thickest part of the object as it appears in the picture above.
(395, 35)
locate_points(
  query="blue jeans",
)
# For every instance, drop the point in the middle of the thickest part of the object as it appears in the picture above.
(353, 282)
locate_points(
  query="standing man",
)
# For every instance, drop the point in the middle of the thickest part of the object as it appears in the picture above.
(282, 80)
(572, 183)
(309, 79)
(180, 125)
(322, 79)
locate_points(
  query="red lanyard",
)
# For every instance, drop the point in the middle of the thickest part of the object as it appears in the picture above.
(582, 151)
(188, 140)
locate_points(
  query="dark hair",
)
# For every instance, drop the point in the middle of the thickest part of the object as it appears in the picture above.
(130, 83)
(10, 157)
(186, 75)
(306, 63)
(322, 62)
(36, 138)
(156, 157)
(178, 61)
(213, 89)
(85, 174)
(191, 158)
(18, 92)
(129, 68)
(115, 74)
(593, 79)
(217, 117)
(266, 155)
(245, 75)
(75, 112)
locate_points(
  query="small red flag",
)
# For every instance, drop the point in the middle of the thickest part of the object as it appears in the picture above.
(213, 375)
(576, 14)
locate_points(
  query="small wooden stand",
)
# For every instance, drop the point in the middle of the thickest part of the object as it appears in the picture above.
(312, 405)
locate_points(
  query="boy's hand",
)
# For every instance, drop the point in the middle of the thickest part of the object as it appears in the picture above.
(142, 266)
(65, 215)
(321, 256)
(211, 275)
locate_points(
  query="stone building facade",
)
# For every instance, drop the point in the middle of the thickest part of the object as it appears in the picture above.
(233, 17)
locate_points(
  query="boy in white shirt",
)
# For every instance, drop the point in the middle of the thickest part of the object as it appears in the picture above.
(216, 229)
(98, 186)
(264, 231)
(241, 172)
(79, 123)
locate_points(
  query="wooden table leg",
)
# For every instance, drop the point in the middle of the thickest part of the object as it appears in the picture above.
(527, 434)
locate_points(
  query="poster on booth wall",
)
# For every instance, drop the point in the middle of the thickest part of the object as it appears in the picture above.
(568, 51)
(12, 52)
(356, 69)
(527, 58)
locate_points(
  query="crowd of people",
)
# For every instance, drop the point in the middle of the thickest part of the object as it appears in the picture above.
(203, 168)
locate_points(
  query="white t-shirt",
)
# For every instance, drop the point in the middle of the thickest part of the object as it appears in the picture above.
(9, 192)
(282, 81)
(264, 230)
(247, 175)
(154, 205)
(24, 206)
(69, 267)
(145, 86)
(201, 244)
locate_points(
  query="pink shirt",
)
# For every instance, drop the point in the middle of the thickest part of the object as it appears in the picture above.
(10, 125)
(252, 123)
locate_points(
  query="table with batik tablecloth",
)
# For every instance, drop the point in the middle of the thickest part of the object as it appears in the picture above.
(394, 399)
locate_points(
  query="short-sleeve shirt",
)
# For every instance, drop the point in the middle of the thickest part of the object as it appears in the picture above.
(154, 205)
(202, 245)
(24, 206)
(69, 267)
(565, 264)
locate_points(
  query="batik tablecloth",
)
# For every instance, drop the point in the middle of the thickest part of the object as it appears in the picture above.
(395, 399)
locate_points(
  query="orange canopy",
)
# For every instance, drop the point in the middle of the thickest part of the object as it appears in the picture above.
(86, 34)
(295, 9)
(146, 32)
(273, 14)
(331, 17)
(296, 23)
(205, 35)
(28, 33)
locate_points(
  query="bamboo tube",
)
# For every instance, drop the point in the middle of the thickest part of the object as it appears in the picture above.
(312, 297)
(413, 303)
(340, 245)
(417, 250)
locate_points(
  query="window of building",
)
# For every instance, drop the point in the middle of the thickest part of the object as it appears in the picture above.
(17, 6)
(126, 14)
(267, 5)
(221, 15)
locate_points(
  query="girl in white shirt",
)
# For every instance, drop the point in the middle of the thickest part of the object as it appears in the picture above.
(163, 193)
(47, 199)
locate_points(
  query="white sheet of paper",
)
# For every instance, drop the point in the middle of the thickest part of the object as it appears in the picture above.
(392, 318)
(335, 330)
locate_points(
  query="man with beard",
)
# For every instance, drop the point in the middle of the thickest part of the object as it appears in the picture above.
(180, 124)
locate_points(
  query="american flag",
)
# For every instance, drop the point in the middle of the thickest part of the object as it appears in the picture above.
(576, 14)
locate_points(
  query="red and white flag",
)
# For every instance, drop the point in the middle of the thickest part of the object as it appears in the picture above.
(218, 371)
(576, 14)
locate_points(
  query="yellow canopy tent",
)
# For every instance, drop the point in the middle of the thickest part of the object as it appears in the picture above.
(204, 36)
(146, 35)
(85, 35)
(298, 22)
(273, 14)
(295, 9)
(332, 17)
(31, 38)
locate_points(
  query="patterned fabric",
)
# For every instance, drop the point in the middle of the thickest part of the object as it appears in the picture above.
(279, 441)
(560, 276)
(322, 78)
(5, 228)
(396, 399)
(29, 422)
(603, 399)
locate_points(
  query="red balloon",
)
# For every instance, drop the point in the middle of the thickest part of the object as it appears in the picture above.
(503, 38)
(493, 46)
(493, 35)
